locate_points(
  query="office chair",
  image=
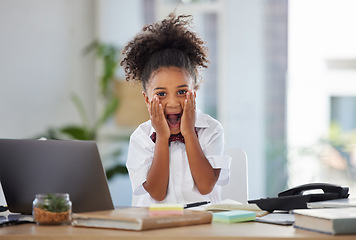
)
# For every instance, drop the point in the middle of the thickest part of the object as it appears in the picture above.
(237, 188)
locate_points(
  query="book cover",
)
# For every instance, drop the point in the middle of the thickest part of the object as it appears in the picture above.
(139, 219)
(332, 221)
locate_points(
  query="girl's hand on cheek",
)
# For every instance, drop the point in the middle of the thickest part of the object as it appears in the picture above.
(188, 116)
(158, 119)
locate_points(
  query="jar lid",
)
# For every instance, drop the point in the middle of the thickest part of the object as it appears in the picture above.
(49, 195)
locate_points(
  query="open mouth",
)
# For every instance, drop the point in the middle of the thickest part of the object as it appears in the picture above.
(173, 120)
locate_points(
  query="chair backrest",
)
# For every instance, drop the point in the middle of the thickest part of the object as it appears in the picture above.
(237, 188)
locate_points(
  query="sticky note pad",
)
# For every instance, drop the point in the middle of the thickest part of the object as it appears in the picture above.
(166, 209)
(234, 216)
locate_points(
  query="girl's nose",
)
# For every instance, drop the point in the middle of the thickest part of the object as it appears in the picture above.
(172, 101)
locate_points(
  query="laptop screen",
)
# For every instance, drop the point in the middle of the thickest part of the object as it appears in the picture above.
(30, 167)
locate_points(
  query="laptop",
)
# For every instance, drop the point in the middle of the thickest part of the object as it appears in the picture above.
(30, 167)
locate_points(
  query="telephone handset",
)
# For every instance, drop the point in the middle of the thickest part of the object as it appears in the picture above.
(295, 198)
(330, 191)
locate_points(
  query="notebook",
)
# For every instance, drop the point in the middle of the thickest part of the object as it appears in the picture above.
(30, 167)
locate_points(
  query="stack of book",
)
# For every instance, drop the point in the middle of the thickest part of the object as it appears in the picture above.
(139, 219)
(330, 217)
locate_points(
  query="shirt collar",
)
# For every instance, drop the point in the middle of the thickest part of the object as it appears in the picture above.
(200, 119)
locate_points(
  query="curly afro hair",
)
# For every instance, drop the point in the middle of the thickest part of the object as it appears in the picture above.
(169, 43)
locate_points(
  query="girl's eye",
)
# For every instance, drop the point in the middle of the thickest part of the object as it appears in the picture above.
(161, 94)
(181, 92)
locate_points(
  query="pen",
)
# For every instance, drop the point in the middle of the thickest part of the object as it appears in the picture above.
(196, 204)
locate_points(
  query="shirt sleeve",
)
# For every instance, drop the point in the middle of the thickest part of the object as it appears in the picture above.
(212, 142)
(139, 160)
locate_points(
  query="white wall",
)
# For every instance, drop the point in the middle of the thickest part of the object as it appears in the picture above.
(241, 93)
(41, 64)
(118, 21)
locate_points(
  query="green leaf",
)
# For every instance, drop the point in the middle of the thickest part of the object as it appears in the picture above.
(81, 110)
(109, 110)
(110, 57)
(118, 169)
(91, 47)
(54, 203)
(77, 132)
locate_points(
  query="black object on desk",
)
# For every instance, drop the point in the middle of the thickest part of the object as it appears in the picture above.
(196, 204)
(294, 199)
(3, 208)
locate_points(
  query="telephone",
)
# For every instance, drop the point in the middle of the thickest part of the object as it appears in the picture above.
(294, 198)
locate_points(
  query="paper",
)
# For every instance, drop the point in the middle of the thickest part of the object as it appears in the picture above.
(234, 216)
(228, 204)
(277, 218)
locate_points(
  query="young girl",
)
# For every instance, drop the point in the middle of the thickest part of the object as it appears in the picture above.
(178, 155)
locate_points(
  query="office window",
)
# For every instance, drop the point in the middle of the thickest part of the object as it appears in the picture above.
(343, 113)
(342, 136)
(321, 108)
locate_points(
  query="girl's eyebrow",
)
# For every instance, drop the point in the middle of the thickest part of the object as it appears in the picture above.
(159, 88)
(181, 86)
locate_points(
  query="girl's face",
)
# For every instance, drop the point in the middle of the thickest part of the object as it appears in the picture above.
(170, 84)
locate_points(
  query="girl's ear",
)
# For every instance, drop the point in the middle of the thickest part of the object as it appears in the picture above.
(147, 100)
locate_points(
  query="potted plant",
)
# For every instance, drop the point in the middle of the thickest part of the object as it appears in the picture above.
(52, 209)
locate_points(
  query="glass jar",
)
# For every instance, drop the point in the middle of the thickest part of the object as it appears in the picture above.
(52, 209)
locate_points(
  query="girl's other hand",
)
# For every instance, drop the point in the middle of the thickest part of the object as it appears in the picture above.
(158, 119)
(188, 116)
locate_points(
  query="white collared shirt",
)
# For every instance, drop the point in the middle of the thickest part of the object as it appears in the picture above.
(181, 187)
